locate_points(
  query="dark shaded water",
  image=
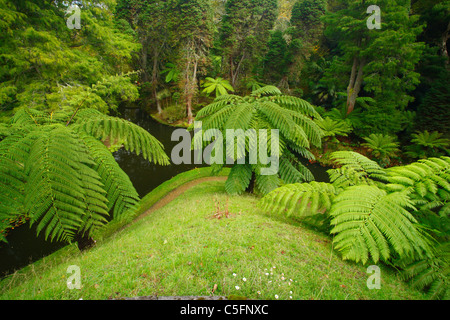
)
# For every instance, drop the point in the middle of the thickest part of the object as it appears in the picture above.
(24, 247)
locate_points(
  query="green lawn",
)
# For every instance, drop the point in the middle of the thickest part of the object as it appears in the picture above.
(184, 249)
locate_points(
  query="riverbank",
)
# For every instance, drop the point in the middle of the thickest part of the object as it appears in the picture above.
(206, 242)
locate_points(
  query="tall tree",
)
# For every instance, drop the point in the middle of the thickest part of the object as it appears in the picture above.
(244, 35)
(46, 65)
(377, 61)
(306, 29)
(193, 27)
(148, 18)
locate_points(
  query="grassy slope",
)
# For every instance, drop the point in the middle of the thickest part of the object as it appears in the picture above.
(182, 249)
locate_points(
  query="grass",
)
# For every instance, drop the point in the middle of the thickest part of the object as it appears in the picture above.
(158, 193)
(195, 244)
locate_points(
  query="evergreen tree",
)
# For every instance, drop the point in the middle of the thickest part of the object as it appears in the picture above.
(244, 35)
(46, 65)
(378, 61)
(192, 26)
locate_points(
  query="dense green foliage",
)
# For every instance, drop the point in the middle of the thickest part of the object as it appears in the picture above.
(47, 66)
(397, 215)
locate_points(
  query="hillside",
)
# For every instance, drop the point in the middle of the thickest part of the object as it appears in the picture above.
(191, 246)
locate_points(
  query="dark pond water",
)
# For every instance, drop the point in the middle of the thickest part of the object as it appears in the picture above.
(24, 247)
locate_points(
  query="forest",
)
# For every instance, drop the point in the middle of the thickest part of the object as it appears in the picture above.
(357, 89)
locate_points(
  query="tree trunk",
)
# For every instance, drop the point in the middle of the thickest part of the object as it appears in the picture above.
(155, 80)
(84, 241)
(355, 83)
(325, 146)
(444, 50)
(251, 185)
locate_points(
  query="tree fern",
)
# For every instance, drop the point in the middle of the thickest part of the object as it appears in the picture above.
(266, 108)
(382, 147)
(60, 175)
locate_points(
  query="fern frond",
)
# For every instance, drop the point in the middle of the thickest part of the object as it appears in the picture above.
(55, 197)
(266, 90)
(431, 274)
(300, 200)
(359, 163)
(134, 138)
(214, 107)
(298, 105)
(238, 179)
(267, 183)
(369, 223)
(122, 198)
(14, 151)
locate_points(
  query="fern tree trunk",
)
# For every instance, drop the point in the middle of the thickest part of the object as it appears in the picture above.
(251, 185)
(84, 241)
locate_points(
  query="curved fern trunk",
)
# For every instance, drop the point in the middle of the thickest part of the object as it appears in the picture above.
(251, 185)
(84, 241)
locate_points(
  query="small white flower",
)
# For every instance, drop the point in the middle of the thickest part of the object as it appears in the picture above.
(274, 267)
(234, 274)
(290, 292)
(266, 273)
(276, 296)
(244, 279)
(282, 278)
(237, 287)
(270, 281)
(290, 297)
(259, 292)
(289, 283)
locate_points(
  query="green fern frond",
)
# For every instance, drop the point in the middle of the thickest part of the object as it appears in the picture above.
(239, 179)
(431, 274)
(60, 175)
(298, 105)
(300, 200)
(359, 163)
(266, 90)
(134, 138)
(121, 194)
(55, 197)
(369, 223)
(267, 183)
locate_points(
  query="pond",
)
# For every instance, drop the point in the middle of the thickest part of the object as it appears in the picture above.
(24, 247)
